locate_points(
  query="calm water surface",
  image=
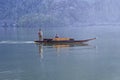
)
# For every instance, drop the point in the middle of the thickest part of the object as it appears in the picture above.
(21, 59)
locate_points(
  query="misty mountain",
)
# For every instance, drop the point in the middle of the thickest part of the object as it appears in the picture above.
(58, 13)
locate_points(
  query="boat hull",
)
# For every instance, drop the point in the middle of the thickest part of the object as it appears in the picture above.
(64, 42)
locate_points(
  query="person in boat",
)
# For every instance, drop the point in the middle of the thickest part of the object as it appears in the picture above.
(56, 36)
(40, 35)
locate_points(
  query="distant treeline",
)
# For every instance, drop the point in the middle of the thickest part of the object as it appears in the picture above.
(54, 13)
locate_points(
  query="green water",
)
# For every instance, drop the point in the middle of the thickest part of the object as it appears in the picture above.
(21, 59)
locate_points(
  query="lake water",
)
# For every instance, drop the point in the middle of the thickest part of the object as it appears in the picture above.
(21, 59)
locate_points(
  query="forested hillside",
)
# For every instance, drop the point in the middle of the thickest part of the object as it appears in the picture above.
(58, 13)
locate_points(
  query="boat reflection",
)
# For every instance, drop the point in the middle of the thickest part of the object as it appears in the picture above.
(40, 51)
(62, 45)
(58, 47)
